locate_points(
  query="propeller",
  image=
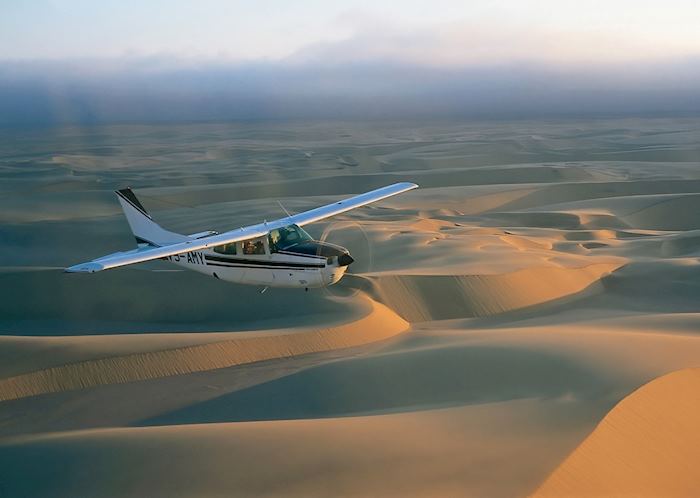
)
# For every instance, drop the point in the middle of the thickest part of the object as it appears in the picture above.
(363, 257)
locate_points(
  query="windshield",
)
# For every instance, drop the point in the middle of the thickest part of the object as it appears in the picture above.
(286, 237)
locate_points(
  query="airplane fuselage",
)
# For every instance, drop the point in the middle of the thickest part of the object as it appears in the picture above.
(324, 266)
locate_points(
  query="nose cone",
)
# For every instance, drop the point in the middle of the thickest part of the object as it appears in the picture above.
(345, 260)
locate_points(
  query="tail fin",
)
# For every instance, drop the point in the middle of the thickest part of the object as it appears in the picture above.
(142, 225)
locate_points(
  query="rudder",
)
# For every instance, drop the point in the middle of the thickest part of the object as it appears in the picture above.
(145, 230)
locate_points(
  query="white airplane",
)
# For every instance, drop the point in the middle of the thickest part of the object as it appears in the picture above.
(271, 254)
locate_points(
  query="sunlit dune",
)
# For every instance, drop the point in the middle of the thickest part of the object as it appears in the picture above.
(420, 298)
(647, 446)
(380, 323)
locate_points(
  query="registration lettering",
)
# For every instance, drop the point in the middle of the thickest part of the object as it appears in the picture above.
(193, 258)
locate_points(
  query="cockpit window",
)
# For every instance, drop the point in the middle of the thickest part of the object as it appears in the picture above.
(226, 248)
(253, 247)
(287, 237)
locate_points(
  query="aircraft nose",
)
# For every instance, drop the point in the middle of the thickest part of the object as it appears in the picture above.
(345, 259)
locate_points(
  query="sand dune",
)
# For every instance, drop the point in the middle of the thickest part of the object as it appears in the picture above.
(543, 272)
(422, 298)
(647, 446)
(439, 453)
(379, 324)
(685, 244)
(568, 193)
(555, 389)
(50, 302)
(564, 356)
(670, 212)
(454, 363)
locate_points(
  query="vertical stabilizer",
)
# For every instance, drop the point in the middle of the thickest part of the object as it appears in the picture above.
(142, 225)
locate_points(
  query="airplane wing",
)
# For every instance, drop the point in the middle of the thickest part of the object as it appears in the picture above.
(150, 253)
(339, 207)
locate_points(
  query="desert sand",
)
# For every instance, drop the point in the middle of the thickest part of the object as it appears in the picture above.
(648, 445)
(509, 329)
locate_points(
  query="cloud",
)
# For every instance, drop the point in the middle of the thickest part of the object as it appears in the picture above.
(464, 43)
(330, 86)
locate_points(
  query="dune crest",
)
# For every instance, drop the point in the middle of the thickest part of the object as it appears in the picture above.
(419, 298)
(647, 446)
(380, 323)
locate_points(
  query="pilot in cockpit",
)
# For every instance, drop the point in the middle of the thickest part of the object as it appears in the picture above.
(253, 247)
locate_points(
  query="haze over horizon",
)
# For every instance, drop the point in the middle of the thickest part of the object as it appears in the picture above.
(78, 62)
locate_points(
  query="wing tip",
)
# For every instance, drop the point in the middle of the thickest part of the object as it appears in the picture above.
(405, 186)
(84, 268)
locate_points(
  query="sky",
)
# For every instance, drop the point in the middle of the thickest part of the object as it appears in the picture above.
(76, 60)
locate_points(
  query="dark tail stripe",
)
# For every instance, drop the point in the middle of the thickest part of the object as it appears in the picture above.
(133, 201)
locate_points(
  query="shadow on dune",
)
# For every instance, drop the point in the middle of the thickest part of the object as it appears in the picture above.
(660, 286)
(403, 381)
(50, 302)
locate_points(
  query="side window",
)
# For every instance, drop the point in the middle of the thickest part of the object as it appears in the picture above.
(226, 248)
(253, 247)
(274, 239)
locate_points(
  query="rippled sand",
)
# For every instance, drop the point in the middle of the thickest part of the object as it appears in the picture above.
(543, 272)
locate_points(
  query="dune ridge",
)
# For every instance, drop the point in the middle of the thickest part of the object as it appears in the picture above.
(380, 323)
(577, 241)
(418, 454)
(647, 446)
(420, 298)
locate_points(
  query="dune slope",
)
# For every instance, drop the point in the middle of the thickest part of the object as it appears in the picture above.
(438, 453)
(420, 298)
(379, 324)
(647, 446)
